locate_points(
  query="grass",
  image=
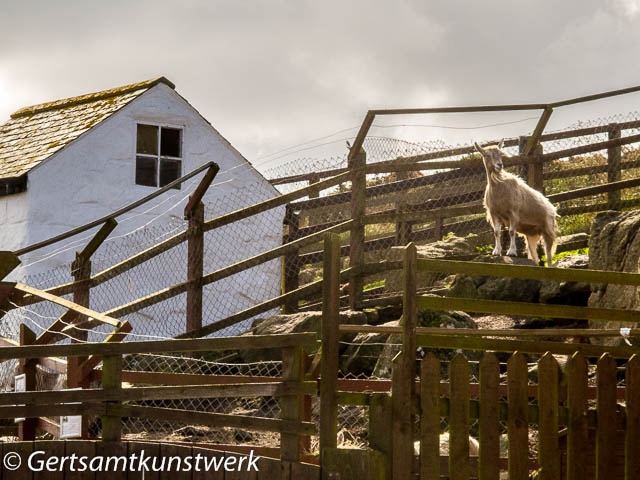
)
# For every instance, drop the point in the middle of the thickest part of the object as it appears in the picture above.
(371, 286)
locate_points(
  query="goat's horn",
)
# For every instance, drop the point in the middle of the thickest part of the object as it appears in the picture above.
(478, 147)
(501, 144)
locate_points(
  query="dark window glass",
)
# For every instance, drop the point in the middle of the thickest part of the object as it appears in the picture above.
(146, 171)
(170, 142)
(147, 140)
(169, 171)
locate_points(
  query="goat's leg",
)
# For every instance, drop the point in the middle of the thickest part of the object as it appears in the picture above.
(549, 248)
(497, 230)
(532, 247)
(513, 251)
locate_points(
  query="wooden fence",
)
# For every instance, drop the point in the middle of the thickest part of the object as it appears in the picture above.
(446, 209)
(112, 401)
(599, 438)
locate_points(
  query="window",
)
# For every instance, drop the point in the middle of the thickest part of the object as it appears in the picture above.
(158, 155)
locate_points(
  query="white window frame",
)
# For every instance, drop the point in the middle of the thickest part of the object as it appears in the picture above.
(158, 157)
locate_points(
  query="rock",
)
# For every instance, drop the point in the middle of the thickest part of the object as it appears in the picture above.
(191, 431)
(614, 245)
(533, 369)
(366, 350)
(497, 288)
(567, 293)
(294, 323)
(452, 247)
(426, 318)
(389, 313)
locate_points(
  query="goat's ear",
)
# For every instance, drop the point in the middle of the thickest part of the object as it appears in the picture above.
(501, 144)
(478, 147)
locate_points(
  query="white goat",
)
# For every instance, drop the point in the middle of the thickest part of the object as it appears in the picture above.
(511, 202)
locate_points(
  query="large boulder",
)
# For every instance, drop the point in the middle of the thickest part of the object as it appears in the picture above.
(614, 245)
(450, 247)
(567, 293)
(372, 354)
(294, 323)
(497, 288)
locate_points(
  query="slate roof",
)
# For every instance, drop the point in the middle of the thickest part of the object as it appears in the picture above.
(35, 133)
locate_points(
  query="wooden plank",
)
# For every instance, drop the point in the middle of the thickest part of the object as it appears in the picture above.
(357, 161)
(214, 419)
(92, 361)
(459, 419)
(409, 310)
(82, 449)
(173, 454)
(144, 450)
(303, 470)
(290, 263)
(196, 197)
(195, 266)
(291, 407)
(548, 454)
(270, 389)
(68, 304)
(527, 309)
(49, 426)
(162, 378)
(380, 424)
(517, 423)
(533, 140)
(51, 449)
(493, 332)
(578, 433)
(402, 432)
(8, 262)
(330, 342)
(614, 173)
(489, 421)
(95, 242)
(32, 411)
(13, 454)
(27, 428)
(212, 457)
(539, 347)
(237, 464)
(632, 439)
(528, 272)
(111, 382)
(162, 346)
(269, 469)
(606, 405)
(430, 418)
(114, 455)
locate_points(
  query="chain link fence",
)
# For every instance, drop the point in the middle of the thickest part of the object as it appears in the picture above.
(431, 190)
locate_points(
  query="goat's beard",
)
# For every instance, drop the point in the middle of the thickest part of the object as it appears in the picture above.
(498, 176)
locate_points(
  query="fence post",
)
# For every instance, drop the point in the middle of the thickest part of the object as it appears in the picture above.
(27, 366)
(330, 343)
(314, 179)
(403, 228)
(409, 309)
(357, 164)
(380, 424)
(291, 262)
(81, 271)
(613, 166)
(291, 406)
(536, 178)
(195, 266)
(111, 381)
(523, 170)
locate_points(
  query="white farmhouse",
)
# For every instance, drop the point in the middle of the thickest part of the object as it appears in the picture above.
(71, 161)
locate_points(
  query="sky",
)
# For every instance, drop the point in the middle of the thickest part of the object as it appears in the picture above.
(290, 80)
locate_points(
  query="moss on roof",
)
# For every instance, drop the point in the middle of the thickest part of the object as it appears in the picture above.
(35, 133)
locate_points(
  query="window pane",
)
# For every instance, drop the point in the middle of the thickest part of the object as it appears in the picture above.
(170, 142)
(170, 170)
(147, 139)
(146, 171)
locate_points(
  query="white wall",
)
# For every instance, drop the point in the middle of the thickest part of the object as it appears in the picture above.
(95, 175)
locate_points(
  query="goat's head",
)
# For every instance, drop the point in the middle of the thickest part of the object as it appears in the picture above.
(492, 156)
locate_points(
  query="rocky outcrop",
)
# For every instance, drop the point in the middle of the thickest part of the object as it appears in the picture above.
(497, 288)
(614, 245)
(294, 323)
(567, 293)
(373, 353)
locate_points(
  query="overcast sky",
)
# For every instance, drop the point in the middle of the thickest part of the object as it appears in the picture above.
(273, 74)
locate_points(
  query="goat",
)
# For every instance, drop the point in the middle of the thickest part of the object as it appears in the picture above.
(511, 202)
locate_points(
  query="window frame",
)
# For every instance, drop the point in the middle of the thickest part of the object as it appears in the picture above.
(158, 156)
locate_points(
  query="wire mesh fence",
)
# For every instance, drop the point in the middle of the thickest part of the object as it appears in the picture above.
(432, 193)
